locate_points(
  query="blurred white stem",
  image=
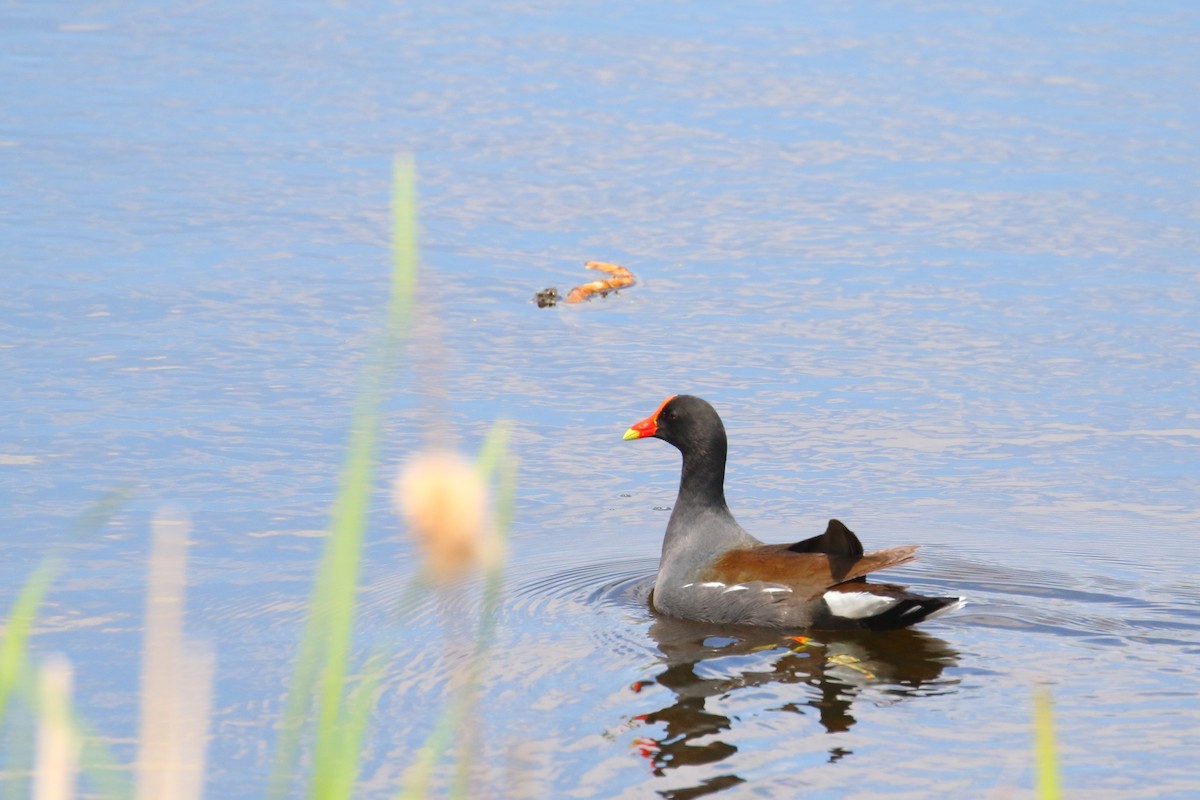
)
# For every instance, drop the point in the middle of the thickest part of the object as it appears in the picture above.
(176, 678)
(58, 743)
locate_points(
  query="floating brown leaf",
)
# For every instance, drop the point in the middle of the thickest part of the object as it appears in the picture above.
(619, 278)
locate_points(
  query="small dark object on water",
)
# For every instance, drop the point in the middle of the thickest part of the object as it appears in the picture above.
(547, 298)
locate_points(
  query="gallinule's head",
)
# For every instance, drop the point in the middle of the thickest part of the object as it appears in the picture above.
(687, 422)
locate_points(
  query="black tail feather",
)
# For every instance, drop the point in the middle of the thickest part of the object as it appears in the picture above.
(909, 611)
(837, 540)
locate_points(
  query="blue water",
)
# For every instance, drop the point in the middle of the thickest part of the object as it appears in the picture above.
(937, 267)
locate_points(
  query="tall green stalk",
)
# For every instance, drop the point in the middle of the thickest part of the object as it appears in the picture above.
(493, 461)
(14, 647)
(325, 650)
(1047, 756)
(17, 675)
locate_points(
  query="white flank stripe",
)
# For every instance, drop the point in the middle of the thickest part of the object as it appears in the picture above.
(774, 589)
(713, 585)
(857, 605)
(735, 588)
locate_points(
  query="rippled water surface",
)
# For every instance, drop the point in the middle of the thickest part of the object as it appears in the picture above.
(937, 267)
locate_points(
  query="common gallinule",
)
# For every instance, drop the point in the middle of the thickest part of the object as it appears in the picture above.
(713, 570)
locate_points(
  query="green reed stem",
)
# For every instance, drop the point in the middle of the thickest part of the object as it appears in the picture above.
(14, 649)
(325, 650)
(1046, 747)
(493, 461)
(17, 675)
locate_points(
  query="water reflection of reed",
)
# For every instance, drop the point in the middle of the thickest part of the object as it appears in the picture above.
(835, 668)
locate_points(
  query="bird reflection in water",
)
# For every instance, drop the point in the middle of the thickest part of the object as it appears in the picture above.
(834, 668)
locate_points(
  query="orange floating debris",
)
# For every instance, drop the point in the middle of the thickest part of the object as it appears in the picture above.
(620, 277)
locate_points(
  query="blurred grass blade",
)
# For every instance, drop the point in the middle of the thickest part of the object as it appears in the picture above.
(15, 671)
(287, 747)
(14, 647)
(494, 448)
(418, 587)
(417, 778)
(1047, 757)
(493, 459)
(325, 648)
(100, 512)
(404, 247)
(18, 751)
(108, 777)
(358, 713)
(506, 494)
(334, 604)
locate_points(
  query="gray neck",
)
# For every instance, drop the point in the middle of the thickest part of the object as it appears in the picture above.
(701, 525)
(702, 480)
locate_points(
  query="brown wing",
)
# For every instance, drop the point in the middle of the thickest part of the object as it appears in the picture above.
(807, 574)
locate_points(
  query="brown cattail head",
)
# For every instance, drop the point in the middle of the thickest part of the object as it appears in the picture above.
(443, 499)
